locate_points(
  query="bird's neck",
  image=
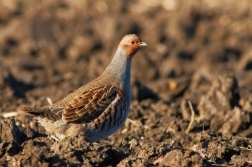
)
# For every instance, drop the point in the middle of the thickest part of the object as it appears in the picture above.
(119, 70)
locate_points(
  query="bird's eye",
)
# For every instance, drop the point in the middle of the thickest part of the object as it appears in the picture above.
(132, 42)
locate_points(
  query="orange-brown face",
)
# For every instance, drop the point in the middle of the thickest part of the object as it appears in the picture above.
(132, 44)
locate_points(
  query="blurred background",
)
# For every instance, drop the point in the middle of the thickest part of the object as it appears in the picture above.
(53, 47)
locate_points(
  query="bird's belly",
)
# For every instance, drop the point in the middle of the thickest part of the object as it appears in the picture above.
(109, 125)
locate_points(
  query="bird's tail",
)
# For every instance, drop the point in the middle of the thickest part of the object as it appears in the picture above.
(50, 113)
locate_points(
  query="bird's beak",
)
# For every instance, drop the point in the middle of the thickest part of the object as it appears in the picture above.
(143, 44)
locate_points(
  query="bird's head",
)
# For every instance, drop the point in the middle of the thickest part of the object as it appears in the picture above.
(131, 44)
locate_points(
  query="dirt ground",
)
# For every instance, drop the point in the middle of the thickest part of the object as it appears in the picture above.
(191, 87)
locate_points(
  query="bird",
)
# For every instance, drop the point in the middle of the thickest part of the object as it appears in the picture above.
(99, 108)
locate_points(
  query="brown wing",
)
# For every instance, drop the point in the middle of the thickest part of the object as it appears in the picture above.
(89, 105)
(49, 112)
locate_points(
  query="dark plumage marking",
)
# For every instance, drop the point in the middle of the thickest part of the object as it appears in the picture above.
(123, 97)
(119, 117)
(96, 126)
(103, 125)
(124, 107)
(109, 111)
(99, 121)
(121, 111)
(80, 108)
(115, 113)
(110, 121)
(124, 102)
(126, 99)
(105, 114)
